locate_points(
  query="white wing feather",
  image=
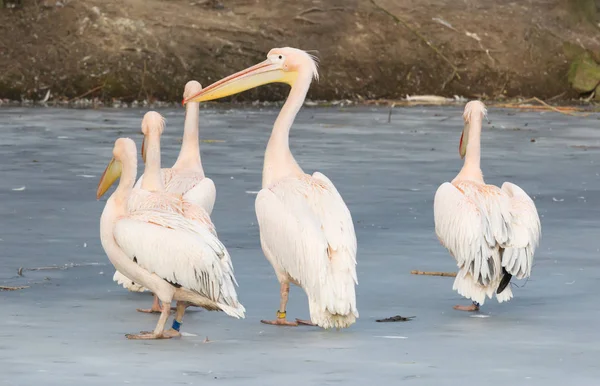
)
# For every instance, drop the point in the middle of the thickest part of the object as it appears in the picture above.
(486, 229)
(463, 227)
(181, 252)
(307, 233)
(192, 185)
(517, 258)
(203, 194)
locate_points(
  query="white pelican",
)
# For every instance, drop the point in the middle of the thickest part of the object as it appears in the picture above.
(491, 232)
(186, 177)
(152, 129)
(174, 257)
(306, 230)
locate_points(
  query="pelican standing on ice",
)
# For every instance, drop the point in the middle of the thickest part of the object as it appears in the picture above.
(306, 230)
(185, 178)
(174, 257)
(142, 198)
(491, 232)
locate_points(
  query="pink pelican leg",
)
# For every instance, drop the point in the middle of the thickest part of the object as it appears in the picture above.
(281, 313)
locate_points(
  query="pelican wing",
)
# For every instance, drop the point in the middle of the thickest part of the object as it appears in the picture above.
(307, 228)
(517, 258)
(141, 199)
(182, 252)
(292, 235)
(197, 213)
(202, 194)
(337, 221)
(464, 227)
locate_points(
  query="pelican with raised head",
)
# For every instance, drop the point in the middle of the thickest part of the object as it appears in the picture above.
(306, 230)
(491, 232)
(152, 194)
(187, 177)
(172, 256)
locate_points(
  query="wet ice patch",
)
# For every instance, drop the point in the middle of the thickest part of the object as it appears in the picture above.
(187, 334)
(252, 191)
(480, 316)
(85, 175)
(19, 189)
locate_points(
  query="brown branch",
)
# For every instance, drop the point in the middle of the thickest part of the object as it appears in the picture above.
(86, 93)
(306, 20)
(545, 106)
(317, 9)
(7, 288)
(418, 34)
(449, 274)
(67, 266)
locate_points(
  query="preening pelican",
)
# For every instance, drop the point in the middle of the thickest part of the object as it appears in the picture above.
(186, 177)
(491, 232)
(141, 198)
(172, 256)
(306, 230)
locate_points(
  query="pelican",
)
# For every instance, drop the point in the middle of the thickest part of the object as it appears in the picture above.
(152, 129)
(491, 232)
(174, 257)
(185, 178)
(306, 230)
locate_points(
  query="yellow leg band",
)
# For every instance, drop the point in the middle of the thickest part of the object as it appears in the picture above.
(281, 315)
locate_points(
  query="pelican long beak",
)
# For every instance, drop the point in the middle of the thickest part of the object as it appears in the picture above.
(257, 75)
(464, 141)
(110, 175)
(144, 149)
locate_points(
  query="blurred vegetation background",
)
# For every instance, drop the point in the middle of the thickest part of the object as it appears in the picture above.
(369, 49)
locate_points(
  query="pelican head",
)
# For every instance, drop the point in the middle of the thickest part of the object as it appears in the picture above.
(191, 88)
(474, 112)
(283, 65)
(123, 150)
(152, 123)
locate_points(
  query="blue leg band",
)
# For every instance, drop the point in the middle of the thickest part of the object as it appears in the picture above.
(176, 325)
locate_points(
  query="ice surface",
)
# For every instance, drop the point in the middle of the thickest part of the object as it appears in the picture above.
(68, 328)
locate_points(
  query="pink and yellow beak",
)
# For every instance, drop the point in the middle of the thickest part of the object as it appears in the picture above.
(252, 77)
(464, 141)
(110, 175)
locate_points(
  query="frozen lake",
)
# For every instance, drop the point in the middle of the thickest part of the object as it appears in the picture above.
(68, 327)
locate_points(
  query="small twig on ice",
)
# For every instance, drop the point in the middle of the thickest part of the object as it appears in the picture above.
(396, 318)
(7, 288)
(449, 274)
(419, 35)
(66, 266)
(545, 106)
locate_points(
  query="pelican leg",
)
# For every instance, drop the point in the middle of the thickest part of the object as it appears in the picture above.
(155, 309)
(473, 307)
(173, 332)
(281, 314)
(158, 332)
